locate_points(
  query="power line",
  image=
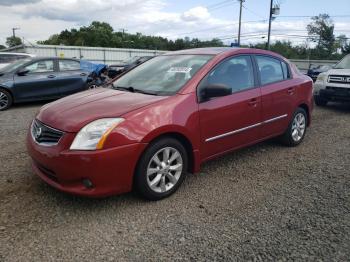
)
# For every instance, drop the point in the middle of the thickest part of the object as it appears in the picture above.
(220, 26)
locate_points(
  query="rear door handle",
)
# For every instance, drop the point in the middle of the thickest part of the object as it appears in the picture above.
(83, 74)
(253, 102)
(291, 90)
(51, 76)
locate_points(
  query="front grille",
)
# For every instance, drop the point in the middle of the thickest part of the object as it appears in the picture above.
(45, 135)
(339, 79)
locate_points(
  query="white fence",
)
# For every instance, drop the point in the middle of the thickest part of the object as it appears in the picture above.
(113, 55)
(94, 54)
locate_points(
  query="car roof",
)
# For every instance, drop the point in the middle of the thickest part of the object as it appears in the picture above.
(222, 51)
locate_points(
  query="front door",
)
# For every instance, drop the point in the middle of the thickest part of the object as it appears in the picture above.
(39, 83)
(231, 121)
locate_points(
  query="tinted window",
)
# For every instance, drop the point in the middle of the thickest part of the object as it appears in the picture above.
(270, 69)
(40, 66)
(236, 72)
(66, 65)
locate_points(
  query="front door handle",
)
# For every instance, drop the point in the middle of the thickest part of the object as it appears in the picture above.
(83, 74)
(51, 76)
(253, 102)
(291, 90)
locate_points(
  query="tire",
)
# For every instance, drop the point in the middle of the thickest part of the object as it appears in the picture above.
(156, 178)
(320, 101)
(5, 100)
(298, 124)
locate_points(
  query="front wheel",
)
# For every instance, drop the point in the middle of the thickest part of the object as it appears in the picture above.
(295, 133)
(5, 99)
(161, 169)
(320, 101)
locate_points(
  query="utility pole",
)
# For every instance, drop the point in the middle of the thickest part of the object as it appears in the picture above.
(270, 20)
(240, 21)
(14, 31)
(123, 31)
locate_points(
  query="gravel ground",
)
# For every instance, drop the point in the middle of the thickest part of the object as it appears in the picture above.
(266, 202)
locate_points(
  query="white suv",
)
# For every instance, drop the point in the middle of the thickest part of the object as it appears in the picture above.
(333, 85)
(8, 58)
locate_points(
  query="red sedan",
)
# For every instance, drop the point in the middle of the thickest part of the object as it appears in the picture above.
(165, 118)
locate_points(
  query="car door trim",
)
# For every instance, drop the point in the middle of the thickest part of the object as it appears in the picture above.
(245, 128)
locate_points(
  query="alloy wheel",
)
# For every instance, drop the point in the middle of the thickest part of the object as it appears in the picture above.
(298, 127)
(164, 169)
(4, 100)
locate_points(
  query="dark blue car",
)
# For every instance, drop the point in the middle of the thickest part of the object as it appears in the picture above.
(41, 78)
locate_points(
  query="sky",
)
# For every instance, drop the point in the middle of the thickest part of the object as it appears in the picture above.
(203, 19)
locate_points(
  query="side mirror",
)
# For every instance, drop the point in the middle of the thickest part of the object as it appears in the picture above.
(214, 90)
(22, 72)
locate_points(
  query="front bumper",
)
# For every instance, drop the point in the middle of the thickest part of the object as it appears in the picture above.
(110, 171)
(335, 94)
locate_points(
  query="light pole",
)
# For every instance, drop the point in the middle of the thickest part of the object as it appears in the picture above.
(240, 20)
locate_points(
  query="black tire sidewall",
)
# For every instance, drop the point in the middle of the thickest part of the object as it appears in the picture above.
(320, 101)
(140, 181)
(9, 97)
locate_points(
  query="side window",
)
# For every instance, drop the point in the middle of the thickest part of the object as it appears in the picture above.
(66, 65)
(286, 74)
(40, 66)
(270, 69)
(236, 72)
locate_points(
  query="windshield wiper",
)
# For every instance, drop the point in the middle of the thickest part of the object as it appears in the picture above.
(135, 90)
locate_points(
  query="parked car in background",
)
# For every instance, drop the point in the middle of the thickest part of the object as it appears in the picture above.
(165, 118)
(126, 65)
(40, 78)
(314, 71)
(7, 58)
(334, 85)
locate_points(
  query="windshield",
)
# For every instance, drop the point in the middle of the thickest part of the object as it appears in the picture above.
(14, 66)
(162, 75)
(344, 63)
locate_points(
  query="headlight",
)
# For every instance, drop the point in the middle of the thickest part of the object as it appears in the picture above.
(93, 135)
(321, 77)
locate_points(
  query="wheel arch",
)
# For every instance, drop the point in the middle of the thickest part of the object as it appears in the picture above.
(307, 109)
(183, 139)
(8, 90)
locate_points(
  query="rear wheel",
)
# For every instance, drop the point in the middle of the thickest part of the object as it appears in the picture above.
(5, 99)
(161, 169)
(320, 101)
(296, 129)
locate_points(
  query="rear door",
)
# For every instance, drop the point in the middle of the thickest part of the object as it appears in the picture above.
(71, 77)
(39, 83)
(278, 94)
(231, 121)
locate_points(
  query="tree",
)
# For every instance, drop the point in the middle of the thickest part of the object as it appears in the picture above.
(102, 34)
(2, 47)
(321, 29)
(13, 41)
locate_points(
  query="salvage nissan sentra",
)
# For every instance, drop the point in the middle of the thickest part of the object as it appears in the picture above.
(165, 118)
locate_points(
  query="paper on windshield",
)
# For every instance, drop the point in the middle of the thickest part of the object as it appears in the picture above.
(179, 69)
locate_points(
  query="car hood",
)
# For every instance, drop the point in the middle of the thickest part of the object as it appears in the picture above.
(342, 72)
(71, 113)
